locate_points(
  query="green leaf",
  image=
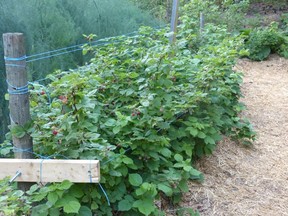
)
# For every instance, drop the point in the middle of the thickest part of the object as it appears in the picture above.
(166, 152)
(116, 129)
(32, 189)
(127, 160)
(115, 173)
(178, 157)
(124, 205)
(209, 140)
(72, 153)
(145, 103)
(201, 135)
(18, 131)
(76, 191)
(6, 97)
(165, 188)
(64, 200)
(183, 186)
(135, 179)
(110, 122)
(52, 197)
(65, 185)
(145, 206)
(38, 197)
(40, 210)
(84, 211)
(71, 207)
(94, 205)
(192, 131)
(195, 172)
(54, 212)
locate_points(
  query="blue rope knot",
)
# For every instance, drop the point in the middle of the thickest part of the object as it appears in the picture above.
(17, 90)
(15, 59)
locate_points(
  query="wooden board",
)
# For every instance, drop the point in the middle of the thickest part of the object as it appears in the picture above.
(38, 170)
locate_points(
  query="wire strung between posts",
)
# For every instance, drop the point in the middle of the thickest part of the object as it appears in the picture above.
(78, 47)
(66, 50)
(50, 56)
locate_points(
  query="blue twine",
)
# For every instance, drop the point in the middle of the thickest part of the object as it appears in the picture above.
(28, 150)
(41, 169)
(40, 80)
(16, 65)
(105, 194)
(15, 59)
(17, 90)
(22, 150)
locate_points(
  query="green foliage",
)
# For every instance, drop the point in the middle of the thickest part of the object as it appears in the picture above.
(227, 13)
(13, 201)
(158, 8)
(262, 42)
(146, 110)
(54, 24)
(284, 22)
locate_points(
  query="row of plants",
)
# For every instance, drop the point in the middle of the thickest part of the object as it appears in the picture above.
(146, 109)
(263, 41)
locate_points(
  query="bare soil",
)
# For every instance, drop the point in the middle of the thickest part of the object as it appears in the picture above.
(251, 181)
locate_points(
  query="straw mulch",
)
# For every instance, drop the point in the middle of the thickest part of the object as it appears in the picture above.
(251, 181)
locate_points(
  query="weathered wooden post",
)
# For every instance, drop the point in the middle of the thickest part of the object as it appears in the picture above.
(174, 21)
(201, 22)
(17, 81)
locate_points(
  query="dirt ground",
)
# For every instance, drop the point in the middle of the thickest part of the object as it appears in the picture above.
(251, 181)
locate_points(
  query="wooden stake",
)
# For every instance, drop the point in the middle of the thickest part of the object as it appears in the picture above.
(174, 21)
(48, 170)
(14, 51)
(201, 22)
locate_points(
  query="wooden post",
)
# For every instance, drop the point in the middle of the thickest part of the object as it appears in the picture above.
(17, 80)
(201, 22)
(174, 21)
